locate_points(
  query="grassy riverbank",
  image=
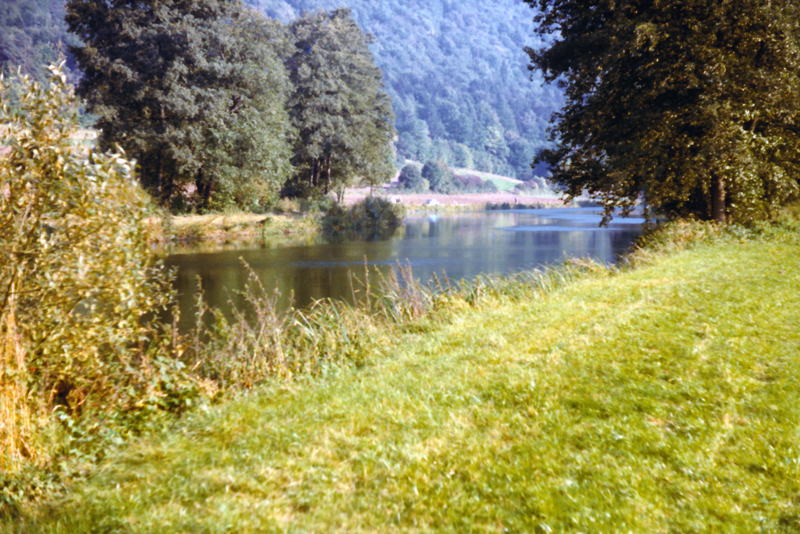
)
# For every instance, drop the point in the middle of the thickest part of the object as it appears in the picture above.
(223, 229)
(657, 399)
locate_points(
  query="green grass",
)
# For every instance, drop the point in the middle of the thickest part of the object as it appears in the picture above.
(503, 185)
(658, 399)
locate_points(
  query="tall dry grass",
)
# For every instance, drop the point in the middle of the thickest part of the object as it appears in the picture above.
(15, 412)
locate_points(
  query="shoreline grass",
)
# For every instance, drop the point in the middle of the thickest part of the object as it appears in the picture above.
(656, 399)
(187, 232)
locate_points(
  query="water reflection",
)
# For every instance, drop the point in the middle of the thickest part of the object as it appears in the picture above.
(460, 246)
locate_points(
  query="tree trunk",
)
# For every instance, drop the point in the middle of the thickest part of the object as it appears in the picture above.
(161, 192)
(205, 189)
(718, 199)
(327, 173)
(315, 173)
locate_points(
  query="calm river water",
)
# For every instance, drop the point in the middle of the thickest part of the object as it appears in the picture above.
(459, 246)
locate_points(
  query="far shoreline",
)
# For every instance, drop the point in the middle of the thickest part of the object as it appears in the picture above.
(216, 231)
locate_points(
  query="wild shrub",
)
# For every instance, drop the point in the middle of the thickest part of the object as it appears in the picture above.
(79, 288)
(440, 177)
(411, 179)
(370, 214)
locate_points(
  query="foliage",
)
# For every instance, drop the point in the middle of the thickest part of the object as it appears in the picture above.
(33, 35)
(440, 177)
(79, 288)
(491, 206)
(194, 91)
(209, 233)
(454, 71)
(373, 214)
(338, 106)
(692, 104)
(470, 183)
(456, 74)
(411, 179)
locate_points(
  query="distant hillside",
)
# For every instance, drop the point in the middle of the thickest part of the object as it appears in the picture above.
(456, 71)
(33, 35)
(458, 76)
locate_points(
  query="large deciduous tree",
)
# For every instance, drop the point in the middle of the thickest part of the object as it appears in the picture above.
(691, 103)
(193, 89)
(339, 107)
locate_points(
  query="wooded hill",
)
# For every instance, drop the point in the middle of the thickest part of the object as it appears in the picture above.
(457, 74)
(456, 71)
(33, 35)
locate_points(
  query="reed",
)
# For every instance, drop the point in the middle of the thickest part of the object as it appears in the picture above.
(15, 412)
(257, 341)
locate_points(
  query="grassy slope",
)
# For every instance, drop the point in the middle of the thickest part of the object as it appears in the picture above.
(663, 399)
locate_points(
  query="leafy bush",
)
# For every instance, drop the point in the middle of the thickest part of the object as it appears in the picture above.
(516, 206)
(411, 179)
(79, 288)
(469, 183)
(440, 177)
(372, 213)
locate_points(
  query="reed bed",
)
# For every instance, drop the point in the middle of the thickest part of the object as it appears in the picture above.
(257, 341)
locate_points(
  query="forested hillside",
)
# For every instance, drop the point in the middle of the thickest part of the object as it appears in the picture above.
(456, 71)
(32, 35)
(457, 74)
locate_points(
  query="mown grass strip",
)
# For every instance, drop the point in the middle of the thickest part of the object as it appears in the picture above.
(661, 399)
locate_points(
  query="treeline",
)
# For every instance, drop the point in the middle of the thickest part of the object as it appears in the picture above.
(455, 71)
(222, 106)
(457, 76)
(691, 106)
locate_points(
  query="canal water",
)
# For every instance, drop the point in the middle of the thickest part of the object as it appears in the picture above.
(456, 246)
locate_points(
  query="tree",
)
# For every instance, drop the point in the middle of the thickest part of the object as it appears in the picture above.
(411, 179)
(691, 104)
(440, 177)
(339, 107)
(521, 154)
(193, 89)
(447, 55)
(32, 36)
(462, 156)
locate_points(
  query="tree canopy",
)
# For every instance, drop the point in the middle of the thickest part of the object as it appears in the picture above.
(194, 90)
(440, 177)
(411, 179)
(338, 105)
(456, 73)
(692, 104)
